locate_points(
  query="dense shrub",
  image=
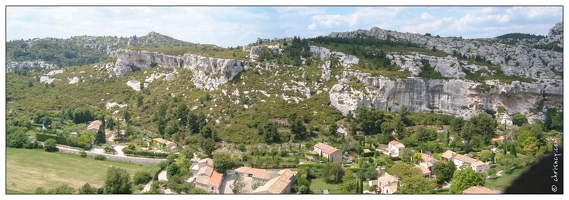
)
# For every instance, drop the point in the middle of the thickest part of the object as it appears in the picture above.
(141, 177)
(43, 137)
(50, 145)
(100, 157)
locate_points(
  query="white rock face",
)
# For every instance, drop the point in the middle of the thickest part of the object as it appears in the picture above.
(46, 79)
(208, 73)
(134, 84)
(457, 97)
(114, 104)
(54, 72)
(12, 66)
(324, 53)
(73, 80)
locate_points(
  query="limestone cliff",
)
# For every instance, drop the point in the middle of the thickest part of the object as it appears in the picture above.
(208, 73)
(457, 97)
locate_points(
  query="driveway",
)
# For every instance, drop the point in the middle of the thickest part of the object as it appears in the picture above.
(162, 176)
(226, 182)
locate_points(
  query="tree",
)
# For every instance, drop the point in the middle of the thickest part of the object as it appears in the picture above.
(349, 183)
(332, 172)
(406, 155)
(444, 170)
(63, 189)
(465, 178)
(416, 184)
(208, 146)
(117, 181)
(519, 119)
(403, 170)
(141, 177)
(100, 137)
(197, 191)
(173, 170)
(50, 144)
(485, 154)
(87, 189)
(298, 129)
(332, 128)
(417, 158)
(18, 139)
(46, 121)
(206, 132)
(237, 185)
(222, 161)
(182, 113)
(126, 116)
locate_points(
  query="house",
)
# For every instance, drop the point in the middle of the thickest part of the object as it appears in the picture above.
(278, 185)
(166, 143)
(329, 152)
(387, 184)
(94, 126)
(480, 190)
(261, 176)
(207, 178)
(394, 148)
(460, 160)
(424, 170)
(427, 161)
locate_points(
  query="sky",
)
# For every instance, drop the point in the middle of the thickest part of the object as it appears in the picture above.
(240, 25)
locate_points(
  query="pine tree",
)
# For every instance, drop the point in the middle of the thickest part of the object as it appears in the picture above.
(100, 137)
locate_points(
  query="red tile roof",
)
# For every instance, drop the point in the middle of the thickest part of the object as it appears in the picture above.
(216, 178)
(327, 149)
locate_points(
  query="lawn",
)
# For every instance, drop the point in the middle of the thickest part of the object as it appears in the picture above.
(318, 185)
(28, 169)
(505, 180)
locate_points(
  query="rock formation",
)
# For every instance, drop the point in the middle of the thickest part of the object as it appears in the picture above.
(208, 73)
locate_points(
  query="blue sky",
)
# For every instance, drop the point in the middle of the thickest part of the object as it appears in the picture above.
(239, 25)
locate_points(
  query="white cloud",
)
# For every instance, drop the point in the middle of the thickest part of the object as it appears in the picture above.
(312, 26)
(425, 16)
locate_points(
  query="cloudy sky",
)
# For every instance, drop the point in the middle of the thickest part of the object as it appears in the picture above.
(239, 25)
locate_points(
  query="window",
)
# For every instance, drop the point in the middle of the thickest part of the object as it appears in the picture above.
(211, 187)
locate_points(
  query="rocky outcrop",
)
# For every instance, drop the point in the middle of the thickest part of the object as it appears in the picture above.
(457, 97)
(12, 66)
(323, 53)
(520, 59)
(208, 73)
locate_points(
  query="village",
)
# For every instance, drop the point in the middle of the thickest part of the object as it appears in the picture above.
(273, 181)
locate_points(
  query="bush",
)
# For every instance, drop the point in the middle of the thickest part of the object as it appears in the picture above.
(82, 154)
(142, 177)
(519, 119)
(100, 157)
(241, 147)
(43, 137)
(50, 145)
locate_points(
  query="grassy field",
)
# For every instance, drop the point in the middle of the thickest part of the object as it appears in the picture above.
(28, 169)
(318, 185)
(505, 180)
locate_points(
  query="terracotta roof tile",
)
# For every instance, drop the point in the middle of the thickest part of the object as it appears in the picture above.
(326, 148)
(216, 178)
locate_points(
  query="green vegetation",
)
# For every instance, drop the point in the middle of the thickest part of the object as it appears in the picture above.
(502, 182)
(28, 169)
(319, 184)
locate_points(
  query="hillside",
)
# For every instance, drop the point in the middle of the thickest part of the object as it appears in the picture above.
(163, 84)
